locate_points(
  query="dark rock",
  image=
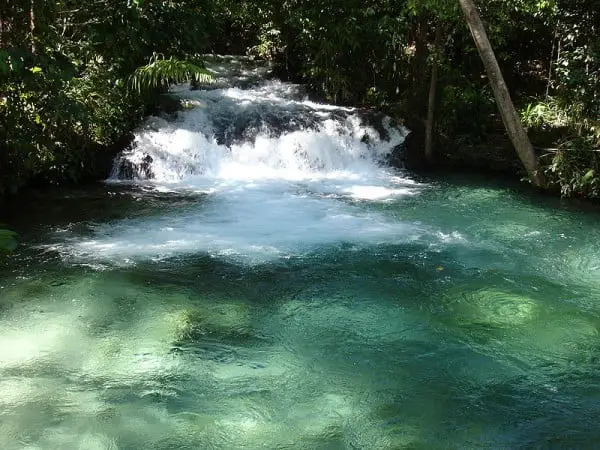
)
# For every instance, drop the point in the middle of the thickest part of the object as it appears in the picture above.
(127, 170)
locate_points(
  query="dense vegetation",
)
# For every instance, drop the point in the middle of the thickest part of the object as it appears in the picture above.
(66, 68)
(65, 79)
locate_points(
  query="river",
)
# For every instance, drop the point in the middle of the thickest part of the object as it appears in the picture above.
(254, 274)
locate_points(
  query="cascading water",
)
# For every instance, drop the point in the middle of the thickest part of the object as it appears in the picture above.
(282, 174)
(258, 133)
(267, 131)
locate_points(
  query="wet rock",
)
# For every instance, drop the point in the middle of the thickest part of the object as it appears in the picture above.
(166, 104)
(128, 169)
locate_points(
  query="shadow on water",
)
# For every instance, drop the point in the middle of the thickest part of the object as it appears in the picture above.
(75, 208)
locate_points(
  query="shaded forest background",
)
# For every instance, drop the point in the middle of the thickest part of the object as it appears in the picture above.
(69, 101)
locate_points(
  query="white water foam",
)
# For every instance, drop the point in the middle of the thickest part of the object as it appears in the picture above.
(271, 136)
(255, 222)
(284, 175)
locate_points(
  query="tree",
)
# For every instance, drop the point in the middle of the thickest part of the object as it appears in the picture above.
(510, 117)
(429, 123)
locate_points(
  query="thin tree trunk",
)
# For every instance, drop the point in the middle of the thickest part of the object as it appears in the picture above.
(551, 64)
(509, 114)
(432, 96)
(419, 60)
(32, 24)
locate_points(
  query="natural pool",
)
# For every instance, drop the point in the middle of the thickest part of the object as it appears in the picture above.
(276, 285)
(461, 316)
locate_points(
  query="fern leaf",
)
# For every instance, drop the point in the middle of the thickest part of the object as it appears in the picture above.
(161, 72)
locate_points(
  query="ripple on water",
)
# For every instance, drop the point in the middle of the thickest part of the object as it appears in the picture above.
(521, 334)
(491, 307)
(561, 340)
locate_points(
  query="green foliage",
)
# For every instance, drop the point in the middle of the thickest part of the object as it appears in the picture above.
(569, 116)
(269, 42)
(462, 101)
(574, 165)
(545, 114)
(575, 168)
(65, 99)
(160, 72)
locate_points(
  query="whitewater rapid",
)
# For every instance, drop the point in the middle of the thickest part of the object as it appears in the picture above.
(275, 174)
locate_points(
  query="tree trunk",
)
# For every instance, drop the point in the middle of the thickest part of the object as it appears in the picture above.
(432, 94)
(32, 25)
(510, 117)
(419, 61)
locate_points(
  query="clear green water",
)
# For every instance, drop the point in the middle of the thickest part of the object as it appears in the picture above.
(473, 325)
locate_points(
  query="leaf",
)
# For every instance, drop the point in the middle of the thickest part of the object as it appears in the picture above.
(36, 70)
(589, 175)
(162, 72)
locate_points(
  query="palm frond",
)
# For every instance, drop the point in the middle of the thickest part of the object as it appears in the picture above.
(161, 72)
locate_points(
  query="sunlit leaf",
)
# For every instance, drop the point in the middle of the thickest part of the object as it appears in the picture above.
(162, 72)
(589, 175)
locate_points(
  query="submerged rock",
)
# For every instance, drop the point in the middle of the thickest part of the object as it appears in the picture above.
(516, 327)
(224, 320)
(493, 307)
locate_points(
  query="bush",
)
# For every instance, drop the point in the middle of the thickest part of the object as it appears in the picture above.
(573, 165)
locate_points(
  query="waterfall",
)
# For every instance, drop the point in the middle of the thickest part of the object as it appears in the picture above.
(268, 130)
(269, 173)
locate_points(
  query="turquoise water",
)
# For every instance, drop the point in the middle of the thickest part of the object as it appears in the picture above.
(308, 314)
